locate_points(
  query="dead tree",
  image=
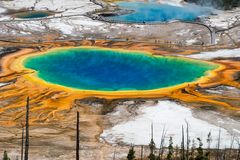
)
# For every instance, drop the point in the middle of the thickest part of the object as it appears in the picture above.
(218, 144)
(238, 152)
(22, 142)
(152, 146)
(27, 131)
(209, 140)
(114, 154)
(231, 146)
(188, 141)
(77, 139)
(141, 152)
(183, 146)
(161, 147)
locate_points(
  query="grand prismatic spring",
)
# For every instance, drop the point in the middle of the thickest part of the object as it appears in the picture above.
(114, 70)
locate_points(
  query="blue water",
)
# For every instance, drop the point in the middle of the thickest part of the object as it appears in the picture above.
(155, 12)
(112, 70)
(34, 14)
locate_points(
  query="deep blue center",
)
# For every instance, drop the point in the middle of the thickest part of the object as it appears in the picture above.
(112, 70)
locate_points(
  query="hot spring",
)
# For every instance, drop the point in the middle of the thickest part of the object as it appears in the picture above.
(33, 14)
(114, 70)
(153, 12)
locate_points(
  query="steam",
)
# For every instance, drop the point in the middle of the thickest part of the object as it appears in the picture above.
(219, 4)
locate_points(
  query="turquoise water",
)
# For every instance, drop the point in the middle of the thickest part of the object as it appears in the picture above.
(113, 70)
(155, 12)
(34, 14)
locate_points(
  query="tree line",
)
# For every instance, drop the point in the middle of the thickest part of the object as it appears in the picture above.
(185, 151)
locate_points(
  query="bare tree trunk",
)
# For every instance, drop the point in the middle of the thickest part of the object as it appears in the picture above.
(161, 148)
(187, 154)
(224, 153)
(151, 145)
(238, 153)
(22, 142)
(176, 152)
(142, 152)
(209, 140)
(77, 139)
(231, 146)
(218, 145)
(27, 131)
(114, 154)
(183, 147)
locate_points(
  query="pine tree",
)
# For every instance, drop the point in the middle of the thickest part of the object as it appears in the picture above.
(5, 156)
(170, 149)
(209, 140)
(131, 153)
(152, 147)
(200, 155)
